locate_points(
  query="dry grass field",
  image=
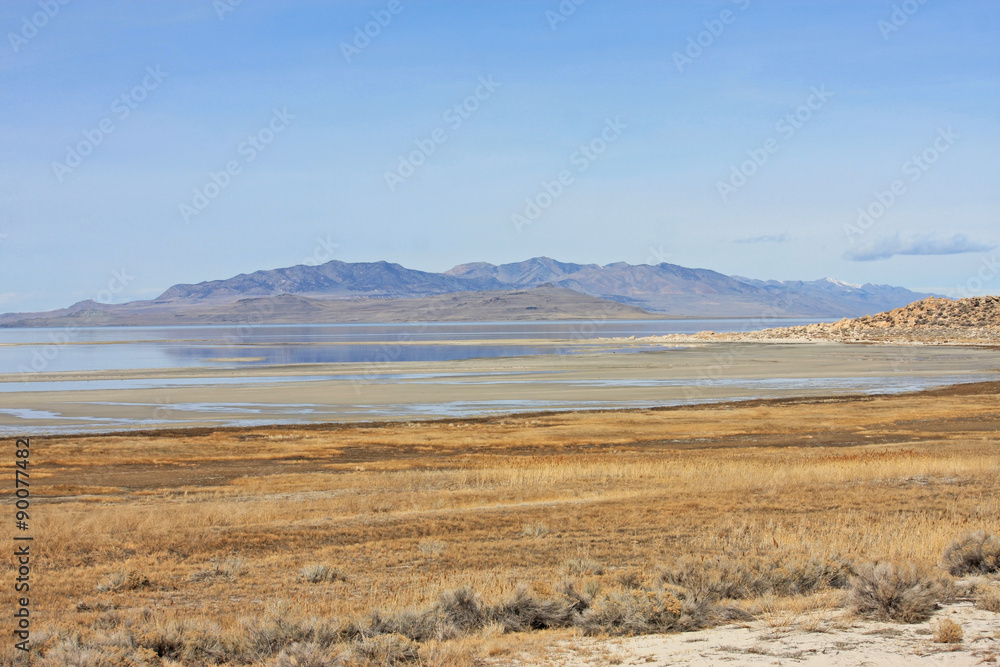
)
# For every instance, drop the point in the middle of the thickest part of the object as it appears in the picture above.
(475, 541)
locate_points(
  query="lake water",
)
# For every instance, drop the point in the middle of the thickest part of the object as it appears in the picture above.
(120, 348)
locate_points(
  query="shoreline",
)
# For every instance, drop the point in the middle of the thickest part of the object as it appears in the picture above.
(961, 388)
(143, 399)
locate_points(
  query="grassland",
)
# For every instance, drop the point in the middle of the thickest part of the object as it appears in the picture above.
(292, 545)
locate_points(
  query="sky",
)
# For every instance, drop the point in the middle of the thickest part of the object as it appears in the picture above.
(144, 144)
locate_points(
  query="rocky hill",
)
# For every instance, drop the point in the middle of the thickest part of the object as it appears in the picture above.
(935, 321)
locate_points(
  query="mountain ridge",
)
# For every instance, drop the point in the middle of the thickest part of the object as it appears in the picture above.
(666, 289)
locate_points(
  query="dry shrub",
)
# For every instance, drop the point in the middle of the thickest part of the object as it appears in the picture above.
(523, 611)
(417, 625)
(583, 567)
(277, 629)
(385, 650)
(630, 578)
(229, 568)
(884, 591)
(534, 530)
(432, 547)
(462, 612)
(948, 632)
(973, 553)
(123, 580)
(624, 611)
(461, 608)
(306, 655)
(318, 573)
(988, 597)
(186, 640)
(70, 653)
(781, 575)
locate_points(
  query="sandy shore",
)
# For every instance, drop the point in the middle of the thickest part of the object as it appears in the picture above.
(817, 639)
(707, 372)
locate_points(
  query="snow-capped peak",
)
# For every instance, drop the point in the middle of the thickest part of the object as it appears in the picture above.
(841, 283)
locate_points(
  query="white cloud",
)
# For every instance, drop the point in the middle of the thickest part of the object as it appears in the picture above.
(916, 244)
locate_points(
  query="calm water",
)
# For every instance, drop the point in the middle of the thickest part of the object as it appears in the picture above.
(117, 348)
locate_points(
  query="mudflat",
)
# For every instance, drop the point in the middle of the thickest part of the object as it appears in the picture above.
(366, 540)
(622, 374)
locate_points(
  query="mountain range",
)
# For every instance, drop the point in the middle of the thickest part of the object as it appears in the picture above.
(341, 291)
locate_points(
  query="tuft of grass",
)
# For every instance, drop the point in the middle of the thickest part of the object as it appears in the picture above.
(432, 547)
(388, 650)
(987, 597)
(583, 567)
(973, 553)
(884, 591)
(534, 530)
(123, 580)
(306, 655)
(947, 632)
(319, 573)
(230, 568)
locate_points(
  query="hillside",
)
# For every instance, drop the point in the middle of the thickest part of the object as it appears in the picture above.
(975, 320)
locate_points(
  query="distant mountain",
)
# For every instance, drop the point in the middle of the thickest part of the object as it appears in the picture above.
(332, 279)
(667, 289)
(544, 302)
(684, 292)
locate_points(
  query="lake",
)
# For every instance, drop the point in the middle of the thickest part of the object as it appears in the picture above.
(221, 346)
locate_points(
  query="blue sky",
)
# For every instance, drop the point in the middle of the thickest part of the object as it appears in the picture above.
(698, 160)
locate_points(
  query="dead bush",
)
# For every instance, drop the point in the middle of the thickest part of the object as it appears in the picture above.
(123, 580)
(623, 611)
(947, 632)
(523, 611)
(319, 573)
(388, 650)
(987, 597)
(973, 553)
(781, 575)
(884, 591)
(583, 567)
(306, 655)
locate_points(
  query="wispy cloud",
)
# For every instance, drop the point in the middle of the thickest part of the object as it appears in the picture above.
(767, 238)
(916, 244)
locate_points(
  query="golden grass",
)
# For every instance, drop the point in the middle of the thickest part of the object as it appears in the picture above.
(205, 531)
